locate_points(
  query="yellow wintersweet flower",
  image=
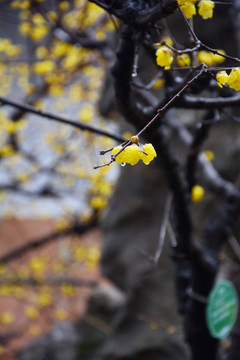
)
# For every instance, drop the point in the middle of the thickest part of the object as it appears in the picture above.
(183, 60)
(86, 114)
(188, 8)
(52, 15)
(164, 57)
(19, 292)
(197, 193)
(38, 19)
(209, 155)
(63, 5)
(221, 78)
(218, 59)
(93, 254)
(61, 48)
(98, 202)
(80, 253)
(37, 265)
(121, 157)
(159, 83)
(167, 40)
(61, 314)
(7, 150)
(205, 57)
(132, 154)
(31, 312)
(45, 298)
(24, 177)
(67, 289)
(41, 52)
(56, 90)
(25, 28)
(43, 67)
(205, 9)
(23, 4)
(5, 290)
(37, 33)
(151, 153)
(7, 318)
(233, 79)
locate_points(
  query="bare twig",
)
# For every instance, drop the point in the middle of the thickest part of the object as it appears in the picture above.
(58, 118)
(58, 281)
(163, 228)
(36, 243)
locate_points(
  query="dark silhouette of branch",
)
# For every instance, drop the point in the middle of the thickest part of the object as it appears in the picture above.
(136, 14)
(46, 191)
(58, 281)
(77, 228)
(61, 119)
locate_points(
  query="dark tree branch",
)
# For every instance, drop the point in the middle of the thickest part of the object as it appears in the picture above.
(58, 281)
(15, 187)
(60, 119)
(139, 15)
(36, 243)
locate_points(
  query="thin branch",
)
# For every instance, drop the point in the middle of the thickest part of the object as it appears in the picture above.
(36, 243)
(163, 229)
(188, 25)
(61, 119)
(59, 281)
(171, 102)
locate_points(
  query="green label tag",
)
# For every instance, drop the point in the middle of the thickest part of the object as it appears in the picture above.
(221, 310)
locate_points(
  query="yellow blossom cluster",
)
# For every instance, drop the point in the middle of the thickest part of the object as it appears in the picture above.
(88, 255)
(43, 67)
(9, 125)
(37, 264)
(35, 26)
(183, 60)
(209, 58)
(8, 49)
(164, 57)
(133, 153)
(188, 7)
(100, 190)
(232, 80)
(86, 114)
(205, 8)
